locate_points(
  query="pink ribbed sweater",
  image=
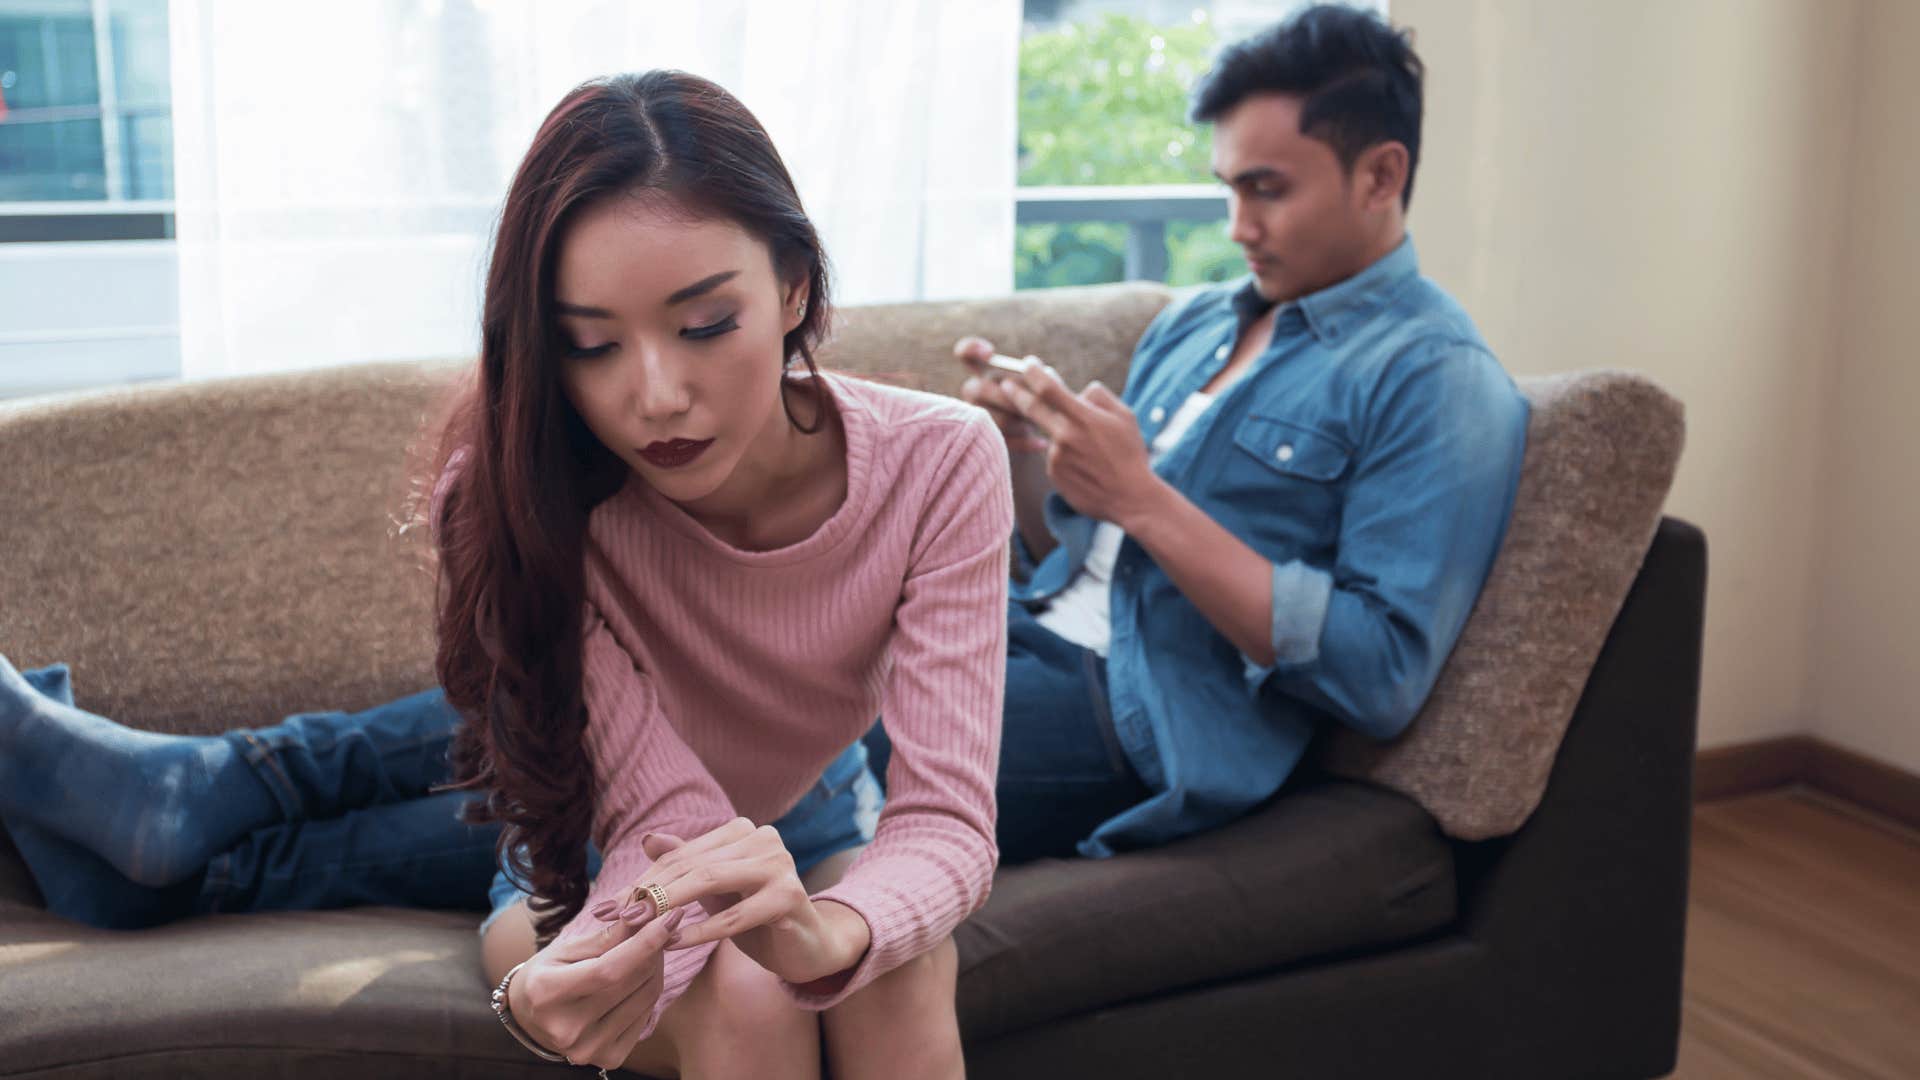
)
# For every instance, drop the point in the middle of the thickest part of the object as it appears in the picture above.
(720, 682)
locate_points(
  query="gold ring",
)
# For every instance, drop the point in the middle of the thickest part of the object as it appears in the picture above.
(660, 905)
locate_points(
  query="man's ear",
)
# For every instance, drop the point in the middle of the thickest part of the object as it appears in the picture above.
(1381, 174)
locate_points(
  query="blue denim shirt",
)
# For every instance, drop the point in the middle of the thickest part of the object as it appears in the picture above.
(1371, 453)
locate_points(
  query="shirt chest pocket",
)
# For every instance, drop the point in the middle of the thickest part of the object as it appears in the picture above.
(1283, 481)
(1291, 450)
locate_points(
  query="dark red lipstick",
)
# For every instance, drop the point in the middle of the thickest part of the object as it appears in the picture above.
(674, 453)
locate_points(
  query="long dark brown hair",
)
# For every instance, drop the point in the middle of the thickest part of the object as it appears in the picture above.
(511, 530)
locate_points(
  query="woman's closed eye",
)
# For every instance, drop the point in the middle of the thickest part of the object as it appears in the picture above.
(587, 352)
(712, 329)
(692, 333)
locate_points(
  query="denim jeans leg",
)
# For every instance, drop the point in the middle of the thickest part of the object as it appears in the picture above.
(410, 853)
(1062, 769)
(325, 764)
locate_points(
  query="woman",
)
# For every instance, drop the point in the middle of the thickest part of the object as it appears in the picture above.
(679, 578)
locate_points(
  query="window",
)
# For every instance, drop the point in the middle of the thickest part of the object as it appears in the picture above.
(410, 114)
(88, 272)
(1115, 184)
(85, 121)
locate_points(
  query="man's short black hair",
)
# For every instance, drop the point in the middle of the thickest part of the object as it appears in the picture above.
(1359, 76)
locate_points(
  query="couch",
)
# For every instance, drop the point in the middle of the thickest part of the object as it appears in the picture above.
(226, 552)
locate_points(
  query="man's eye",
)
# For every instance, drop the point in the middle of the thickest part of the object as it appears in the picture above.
(711, 329)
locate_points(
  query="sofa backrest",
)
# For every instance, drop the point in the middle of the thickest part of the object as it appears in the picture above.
(1602, 447)
(226, 552)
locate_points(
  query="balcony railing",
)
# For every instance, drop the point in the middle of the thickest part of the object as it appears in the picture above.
(1145, 210)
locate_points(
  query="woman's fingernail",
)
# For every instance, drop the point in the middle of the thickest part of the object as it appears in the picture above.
(638, 915)
(673, 926)
(646, 838)
(604, 909)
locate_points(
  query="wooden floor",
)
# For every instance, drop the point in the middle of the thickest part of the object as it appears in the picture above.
(1803, 942)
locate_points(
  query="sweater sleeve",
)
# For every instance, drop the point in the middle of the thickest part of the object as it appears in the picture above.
(931, 861)
(646, 779)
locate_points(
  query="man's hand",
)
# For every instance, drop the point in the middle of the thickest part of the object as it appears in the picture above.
(1095, 456)
(1022, 437)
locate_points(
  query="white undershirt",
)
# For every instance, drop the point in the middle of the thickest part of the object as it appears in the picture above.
(1082, 612)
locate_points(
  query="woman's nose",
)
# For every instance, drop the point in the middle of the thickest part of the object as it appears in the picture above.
(660, 388)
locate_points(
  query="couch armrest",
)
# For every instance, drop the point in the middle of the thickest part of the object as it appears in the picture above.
(1582, 914)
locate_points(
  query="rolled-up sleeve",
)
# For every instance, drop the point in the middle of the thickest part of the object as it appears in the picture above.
(1425, 511)
(1300, 597)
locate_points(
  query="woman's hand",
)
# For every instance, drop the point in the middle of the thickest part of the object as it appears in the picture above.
(745, 879)
(589, 997)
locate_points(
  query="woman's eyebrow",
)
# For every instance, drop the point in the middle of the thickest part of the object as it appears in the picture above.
(699, 288)
(704, 285)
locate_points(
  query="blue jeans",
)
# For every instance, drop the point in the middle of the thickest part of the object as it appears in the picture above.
(1062, 771)
(839, 812)
(364, 827)
(362, 823)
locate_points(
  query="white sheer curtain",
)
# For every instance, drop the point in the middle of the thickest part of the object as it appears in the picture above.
(339, 165)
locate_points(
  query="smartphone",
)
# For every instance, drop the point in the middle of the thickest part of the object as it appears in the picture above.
(1000, 366)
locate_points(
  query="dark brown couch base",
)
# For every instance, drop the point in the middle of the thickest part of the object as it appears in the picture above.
(1566, 959)
(1558, 952)
(1332, 868)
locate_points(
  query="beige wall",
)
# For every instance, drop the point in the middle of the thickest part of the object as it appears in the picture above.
(1660, 185)
(1865, 687)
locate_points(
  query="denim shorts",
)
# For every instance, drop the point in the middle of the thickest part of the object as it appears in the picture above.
(837, 813)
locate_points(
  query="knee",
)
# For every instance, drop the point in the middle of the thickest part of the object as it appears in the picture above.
(741, 1023)
(921, 988)
(753, 1005)
(927, 979)
(904, 1023)
(508, 939)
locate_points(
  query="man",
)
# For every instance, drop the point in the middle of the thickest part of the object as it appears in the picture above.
(1284, 521)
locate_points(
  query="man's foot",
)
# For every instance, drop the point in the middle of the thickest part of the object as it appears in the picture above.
(79, 885)
(154, 807)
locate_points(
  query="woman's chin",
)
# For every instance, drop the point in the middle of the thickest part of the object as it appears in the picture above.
(688, 485)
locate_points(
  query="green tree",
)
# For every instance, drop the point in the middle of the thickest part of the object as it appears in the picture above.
(1105, 103)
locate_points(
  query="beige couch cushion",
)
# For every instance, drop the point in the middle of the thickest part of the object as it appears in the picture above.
(1602, 447)
(1084, 333)
(220, 553)
(224, 553)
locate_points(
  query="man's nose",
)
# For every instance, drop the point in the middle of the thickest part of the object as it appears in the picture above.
(1242, 228)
